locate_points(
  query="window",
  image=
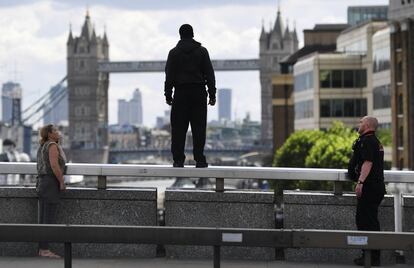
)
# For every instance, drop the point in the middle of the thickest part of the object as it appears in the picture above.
(343, 107)
(82, 110)
(360, 78)
(325, 78)
(343, 78)
(304, 81)
(337, 108)
(400, 104)
(399, 72)
(381, 59)
(401, 137)
(304, 109)
(337, 79)
(325, 108)
(349, 107)
(82, 91)
(382, 97)
(349, 79)
(82, 49)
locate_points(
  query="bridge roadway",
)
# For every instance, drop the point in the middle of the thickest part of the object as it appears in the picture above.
(37, 262)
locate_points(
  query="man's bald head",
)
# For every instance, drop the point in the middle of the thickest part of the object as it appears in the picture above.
(367, 123)
(372, 122)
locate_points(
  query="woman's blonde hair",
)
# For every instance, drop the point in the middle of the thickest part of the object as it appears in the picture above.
(44, 133)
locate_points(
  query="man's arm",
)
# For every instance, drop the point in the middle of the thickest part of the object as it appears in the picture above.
(169, 84)
(365, 170)
(209, 76)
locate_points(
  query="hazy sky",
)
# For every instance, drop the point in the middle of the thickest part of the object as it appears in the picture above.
(34, 33)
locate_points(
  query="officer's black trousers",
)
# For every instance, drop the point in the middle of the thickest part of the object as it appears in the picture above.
(367, 209)
(189, 107)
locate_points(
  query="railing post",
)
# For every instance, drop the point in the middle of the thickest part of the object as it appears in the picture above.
(216, 256)
(338, 189)
(219, 185)
(367, 258)
(398, 216)
(101, 182)
(398, 212)
(68, 255)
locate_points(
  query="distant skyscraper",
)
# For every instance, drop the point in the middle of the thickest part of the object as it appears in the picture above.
(56, 110)
(11, 103)
(123, 112)
(224, 104)
(130, 112)
(135, 108)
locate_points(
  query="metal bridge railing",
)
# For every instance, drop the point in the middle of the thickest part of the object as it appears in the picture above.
(216, 237)
(338, 176)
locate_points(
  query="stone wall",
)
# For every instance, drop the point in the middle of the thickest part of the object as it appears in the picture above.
(83, 206)
(233, 209)
(316, 210)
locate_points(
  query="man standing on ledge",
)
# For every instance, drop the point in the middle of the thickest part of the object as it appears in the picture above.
(188, 70)
(367, 168)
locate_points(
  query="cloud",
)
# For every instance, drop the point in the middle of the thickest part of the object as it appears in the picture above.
(34, 39)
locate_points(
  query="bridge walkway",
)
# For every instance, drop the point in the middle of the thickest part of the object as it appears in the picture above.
(37, 262)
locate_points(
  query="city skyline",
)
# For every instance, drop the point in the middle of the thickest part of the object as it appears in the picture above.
(37, 33)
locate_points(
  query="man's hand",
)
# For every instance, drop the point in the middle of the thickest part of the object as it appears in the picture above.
(358, 189)
(212, 101)
(169, 100)
(62, 186)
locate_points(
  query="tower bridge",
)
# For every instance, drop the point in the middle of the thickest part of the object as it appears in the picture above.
(89, 66)
(159, 66)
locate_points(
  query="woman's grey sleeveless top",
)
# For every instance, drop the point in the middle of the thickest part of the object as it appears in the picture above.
(43, 162)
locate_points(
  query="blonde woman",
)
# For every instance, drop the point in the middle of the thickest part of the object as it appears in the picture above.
(51, 161)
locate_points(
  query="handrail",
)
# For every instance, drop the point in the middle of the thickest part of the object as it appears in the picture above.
(268, 173)
(207, 236)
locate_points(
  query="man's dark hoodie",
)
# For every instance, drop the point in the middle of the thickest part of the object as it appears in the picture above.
(189, 64)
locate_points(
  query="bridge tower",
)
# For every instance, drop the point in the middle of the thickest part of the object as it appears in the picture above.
(88, 95)
(275, 45)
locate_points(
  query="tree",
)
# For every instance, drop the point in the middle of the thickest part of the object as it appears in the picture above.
(315, 149)
(385, 136)
(334, 149)
(294, 151)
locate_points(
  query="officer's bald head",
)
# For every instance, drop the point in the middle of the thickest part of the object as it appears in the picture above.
(368, 123)
(372, 122)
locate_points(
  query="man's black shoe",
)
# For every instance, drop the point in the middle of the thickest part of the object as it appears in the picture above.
(361, 262)
(201, 165)
(178, 164)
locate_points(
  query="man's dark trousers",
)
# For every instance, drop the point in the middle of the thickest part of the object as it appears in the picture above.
(367, 209)
(189, 107)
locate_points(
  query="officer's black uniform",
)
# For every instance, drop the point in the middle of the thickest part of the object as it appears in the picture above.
(189, 70)
(368, 148)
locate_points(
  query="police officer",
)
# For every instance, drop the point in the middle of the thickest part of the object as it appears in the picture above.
(188, 70)
(366, 167)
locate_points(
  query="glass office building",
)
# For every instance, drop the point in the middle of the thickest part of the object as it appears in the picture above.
(360, 14)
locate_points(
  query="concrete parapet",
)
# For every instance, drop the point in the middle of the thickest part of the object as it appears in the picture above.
(236, 209)
(113, 206)
(316, 210)
(408, 222)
